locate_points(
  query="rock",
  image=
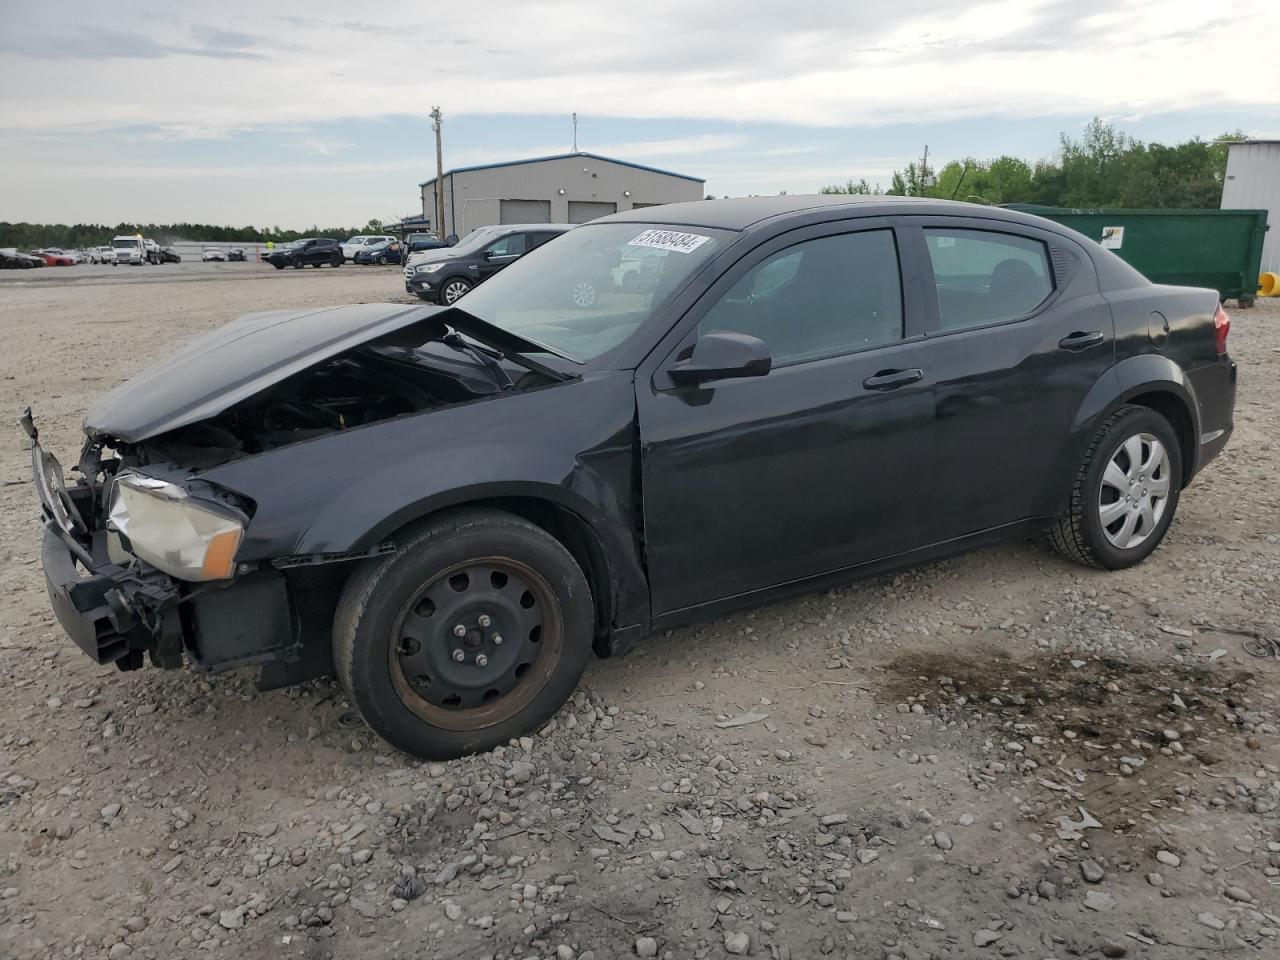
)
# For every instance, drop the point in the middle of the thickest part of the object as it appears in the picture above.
(119, 950)
(646, 947)
(942, 840)
(136, 924)
(1155, 879)
(1092, 871)
(366, 909)
(110, 811)
(737, 943)
(1238, 894)
(1097, 900)
(1046, 890)
(409, 887)
(1168, 858)
(1207, 919)
(1113, 948)
(453, 911)
(984, 938)
(232, 919)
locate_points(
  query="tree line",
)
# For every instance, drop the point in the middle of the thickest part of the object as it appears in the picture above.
(29, 236)
(1103, 168)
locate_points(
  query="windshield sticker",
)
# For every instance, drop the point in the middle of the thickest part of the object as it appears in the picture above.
(669, 240)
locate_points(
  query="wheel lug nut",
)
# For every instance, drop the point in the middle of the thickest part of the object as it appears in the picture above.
(459, 656)
(459, 630)
(497, 639)
(484, 620)
(482, 660)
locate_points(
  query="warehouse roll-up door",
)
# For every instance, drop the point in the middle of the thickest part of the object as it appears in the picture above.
(580, 211)
(524, 211)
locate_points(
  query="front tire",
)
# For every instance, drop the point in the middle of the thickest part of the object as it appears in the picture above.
(1125, 494)
(476, 630)
(454, 290)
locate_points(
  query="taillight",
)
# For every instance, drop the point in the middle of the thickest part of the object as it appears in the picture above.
(1221, 327)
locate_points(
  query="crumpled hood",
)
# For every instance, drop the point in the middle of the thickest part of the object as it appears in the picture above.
(235, 362)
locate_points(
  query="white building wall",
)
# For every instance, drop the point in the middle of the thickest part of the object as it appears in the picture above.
(471, 197)
(1253, 183)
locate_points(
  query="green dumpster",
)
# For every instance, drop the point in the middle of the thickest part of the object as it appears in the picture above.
(1221, 249)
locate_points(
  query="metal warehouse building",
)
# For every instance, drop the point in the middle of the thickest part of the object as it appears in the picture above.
(1253, 183)
(566, 188)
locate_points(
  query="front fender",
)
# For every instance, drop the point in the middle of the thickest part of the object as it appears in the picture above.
(571, 445)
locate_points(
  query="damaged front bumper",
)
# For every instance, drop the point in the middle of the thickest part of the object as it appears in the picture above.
(120, 610)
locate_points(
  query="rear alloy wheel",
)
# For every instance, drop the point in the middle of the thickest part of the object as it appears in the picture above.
(1125, 494)
(454, 289)
(474, 632)
(382, 261)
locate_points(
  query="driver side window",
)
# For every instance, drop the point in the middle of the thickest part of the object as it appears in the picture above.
(821, 298)
(512, 245)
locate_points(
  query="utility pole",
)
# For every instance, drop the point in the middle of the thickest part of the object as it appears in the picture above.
(437, 118)
(575, 131)
(924, 170)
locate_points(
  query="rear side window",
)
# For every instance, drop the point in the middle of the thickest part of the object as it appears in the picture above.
(985, 277)
(820, 298)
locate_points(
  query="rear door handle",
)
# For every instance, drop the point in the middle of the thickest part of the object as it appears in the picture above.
(893, 379)
(1081, 341)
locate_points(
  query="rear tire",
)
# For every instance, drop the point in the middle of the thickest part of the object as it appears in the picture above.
(1125, 494)
(476, 630)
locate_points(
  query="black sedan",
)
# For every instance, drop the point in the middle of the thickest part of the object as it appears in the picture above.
(389, 251)
(14, 259)
(451, 508)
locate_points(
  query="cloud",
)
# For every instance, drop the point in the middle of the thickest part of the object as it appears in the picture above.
(807, 62)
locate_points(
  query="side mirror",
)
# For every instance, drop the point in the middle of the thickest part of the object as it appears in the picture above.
(720, 355)
(488, 254)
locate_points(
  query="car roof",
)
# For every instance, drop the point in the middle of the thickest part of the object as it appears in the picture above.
(742, 213)
(553, 227)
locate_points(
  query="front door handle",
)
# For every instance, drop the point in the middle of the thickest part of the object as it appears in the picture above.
(893, 379)
(1081, 341)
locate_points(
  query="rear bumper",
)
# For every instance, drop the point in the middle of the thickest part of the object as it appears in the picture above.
(1214, 385)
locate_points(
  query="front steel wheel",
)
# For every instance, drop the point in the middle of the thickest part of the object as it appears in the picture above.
(1125, 493)
(474, 632)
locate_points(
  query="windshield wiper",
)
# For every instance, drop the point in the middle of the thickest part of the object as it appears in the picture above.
(515, 346)
(483, 355)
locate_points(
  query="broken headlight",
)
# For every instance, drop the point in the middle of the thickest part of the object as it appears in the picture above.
(164, 526)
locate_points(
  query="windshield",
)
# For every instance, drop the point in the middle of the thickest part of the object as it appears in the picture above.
(360, 239)
(125, 242)
(294, 245)
(587, 291)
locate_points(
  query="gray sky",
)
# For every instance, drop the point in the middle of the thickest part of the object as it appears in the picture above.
(297, 113)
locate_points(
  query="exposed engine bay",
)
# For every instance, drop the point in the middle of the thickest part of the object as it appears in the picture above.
(353, 389)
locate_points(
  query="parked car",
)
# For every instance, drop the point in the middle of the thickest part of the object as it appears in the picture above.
(314, 252)
(102, 255)
(452, 508)
(213, 255)
(418, 242)
(13, 259)
(56, 257)
(357, 244)
(442, 276)
(389, 251)
(168, 255)
(236, 255)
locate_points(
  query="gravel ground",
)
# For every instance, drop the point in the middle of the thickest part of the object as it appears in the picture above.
(998, 755)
